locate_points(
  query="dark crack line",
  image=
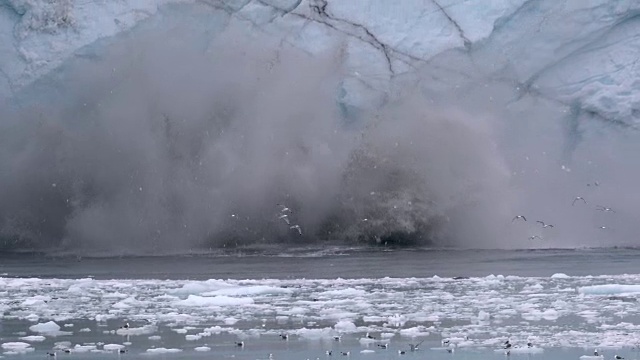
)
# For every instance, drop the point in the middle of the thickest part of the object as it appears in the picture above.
(322, 11)
(282, 11)
(319, 8)
(218, 5)
(465, 40)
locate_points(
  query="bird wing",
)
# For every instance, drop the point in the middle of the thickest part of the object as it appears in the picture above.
(540, 222)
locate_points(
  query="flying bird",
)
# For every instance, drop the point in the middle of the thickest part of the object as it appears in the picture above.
(578, 198)
(519, 217)
(283, 208)
(284, 217)
(544, 225)
(297, 227)
(533, 237)
(604, 208)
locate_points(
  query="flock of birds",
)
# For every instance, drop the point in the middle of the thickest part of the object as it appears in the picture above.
(577, 199)
(283, 214)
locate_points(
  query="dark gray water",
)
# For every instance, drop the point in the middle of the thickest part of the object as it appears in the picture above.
(331, 263)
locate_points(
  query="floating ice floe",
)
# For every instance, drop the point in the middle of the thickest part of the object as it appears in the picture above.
(486, 308)
(195, 300)
(84, 348)
(248, 291)
(48, 327)
(609, 289)
(16, 345)
(113, 347)
(522, 350)
(143, 330)
(33, 338)
(163, 350)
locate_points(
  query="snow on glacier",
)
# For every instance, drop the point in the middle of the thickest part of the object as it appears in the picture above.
(571, 52)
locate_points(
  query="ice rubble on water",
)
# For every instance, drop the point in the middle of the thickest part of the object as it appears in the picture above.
(471, 313)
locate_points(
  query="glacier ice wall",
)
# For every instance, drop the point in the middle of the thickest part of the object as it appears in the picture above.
(158, 126)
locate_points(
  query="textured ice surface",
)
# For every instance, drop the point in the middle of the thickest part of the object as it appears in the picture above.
(582, 52)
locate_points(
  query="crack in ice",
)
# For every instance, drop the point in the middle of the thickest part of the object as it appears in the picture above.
(465, 40)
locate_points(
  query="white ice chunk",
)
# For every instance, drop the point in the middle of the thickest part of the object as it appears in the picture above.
(113, 347)
(47, 327)
(523, 350)
(16, 345)
(84, 348)
(33, 338)
(248, 291)
(163, 350)
(345, 326)
(195, 300)
(609, 289)
(143, 330)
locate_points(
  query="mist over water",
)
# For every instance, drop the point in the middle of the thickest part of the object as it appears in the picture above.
(164, 145)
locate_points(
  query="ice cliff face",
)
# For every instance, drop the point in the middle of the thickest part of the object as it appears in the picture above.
(169, 124)
(573, 52)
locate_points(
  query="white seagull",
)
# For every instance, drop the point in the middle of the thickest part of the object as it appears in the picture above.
(284, 217)
(519, 217)
(544, 225)
(297, 227)
(578, 198)
(283, 208)
(604, 208)
(533, 237)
